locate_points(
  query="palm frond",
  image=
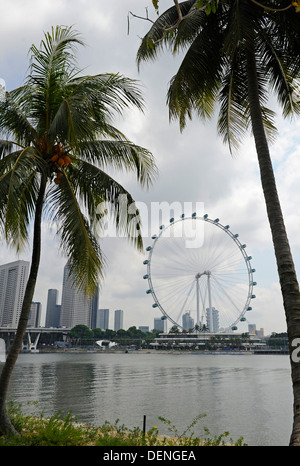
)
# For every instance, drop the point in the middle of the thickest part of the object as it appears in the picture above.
(155, 40)
(195, 86)
(18, 194)
(76, 238)
(90, 103)
(122, 155)
(14, 121)
(98, 192)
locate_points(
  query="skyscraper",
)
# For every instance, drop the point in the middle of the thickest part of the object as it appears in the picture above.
(104, 319)
(53, 309)
(13, 279)
(75, 305)
(214, 325)
(118, 320)
(160, 324)
(187, 321)
(94, 308)
(35, 315)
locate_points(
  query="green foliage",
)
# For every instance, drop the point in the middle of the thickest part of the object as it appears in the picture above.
(213, 74)
(64, 431)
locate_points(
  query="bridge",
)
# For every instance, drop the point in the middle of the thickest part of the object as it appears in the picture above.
(33, 335)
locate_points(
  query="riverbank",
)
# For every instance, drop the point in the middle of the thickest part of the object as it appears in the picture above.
(157, 351)
(57, 431)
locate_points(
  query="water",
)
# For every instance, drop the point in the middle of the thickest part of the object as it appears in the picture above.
(247, 395)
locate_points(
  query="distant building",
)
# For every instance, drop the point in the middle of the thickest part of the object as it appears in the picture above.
(118, 320)
(103, 319)
(187, 321)
(13, 280)
(159, 324)
(94, 308)
(53, 309)
(75, 305)
(214, 325)
(34, 319)
(252, 329)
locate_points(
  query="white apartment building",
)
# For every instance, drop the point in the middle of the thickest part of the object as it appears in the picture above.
(13, 280)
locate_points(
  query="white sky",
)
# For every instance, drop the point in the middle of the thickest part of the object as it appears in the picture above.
(194, 166)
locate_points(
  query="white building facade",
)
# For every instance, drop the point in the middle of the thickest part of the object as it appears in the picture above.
(13, 280)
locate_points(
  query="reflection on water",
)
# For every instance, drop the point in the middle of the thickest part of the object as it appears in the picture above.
(248, 396)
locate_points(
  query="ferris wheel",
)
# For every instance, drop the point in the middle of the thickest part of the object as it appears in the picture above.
(200, 275)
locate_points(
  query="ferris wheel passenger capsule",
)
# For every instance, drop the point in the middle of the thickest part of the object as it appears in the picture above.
(236, 235)
(244, 246)
(249, 308)
(154, 236)
(164, 318)
(253, 296)
(205, 216)
(155, 305)
(243, 319)
(194, 214)
(182, 216)
(145, 277)
(217, 220)
(148, 291)
(253, 270)
(249, 258)
(146, 262)
(162, 227)
(149, 248)
(234, 328)
(227, 227)
(254, 283)
(171, 220)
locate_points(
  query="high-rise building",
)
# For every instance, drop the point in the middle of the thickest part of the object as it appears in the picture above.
(214, 325)
(75, 305)
(118, 320)
(160, 324)
(94, 308)
(104, 319)
(187, 321)
(35, 315)
(53, 309)
(13, 280)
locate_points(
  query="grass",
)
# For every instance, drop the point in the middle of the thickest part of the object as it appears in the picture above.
(61, 430)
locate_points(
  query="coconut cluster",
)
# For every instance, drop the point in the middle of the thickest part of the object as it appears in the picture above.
(60, 159)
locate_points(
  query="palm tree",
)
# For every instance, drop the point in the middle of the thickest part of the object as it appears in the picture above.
(234, 58)
(58, 140)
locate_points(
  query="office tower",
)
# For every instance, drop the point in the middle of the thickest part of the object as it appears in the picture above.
(160, 324)
(35, 315)
(13, 280)
(53, 309)
(103, 319)
(94, 308)
(187, 321)
(252, 329)
(75, 305)
(118, 320)
(213, 326)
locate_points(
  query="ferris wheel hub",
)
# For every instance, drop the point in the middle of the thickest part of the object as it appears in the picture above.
(206, 272)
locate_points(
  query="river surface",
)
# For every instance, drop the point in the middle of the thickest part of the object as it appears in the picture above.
(247, 395)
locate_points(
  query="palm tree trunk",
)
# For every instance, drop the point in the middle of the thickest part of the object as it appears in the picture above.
(5, 423)
(285, 265)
